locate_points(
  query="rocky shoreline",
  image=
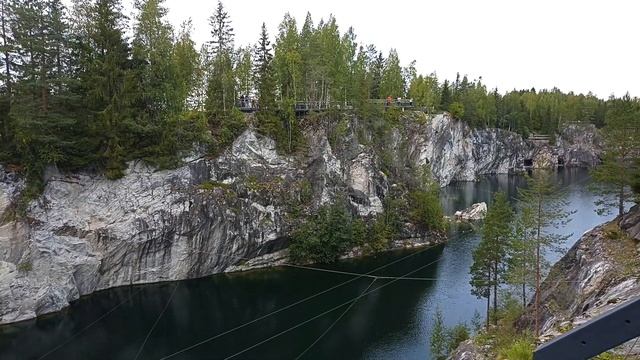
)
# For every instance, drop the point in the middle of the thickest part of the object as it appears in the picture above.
(86, 233)
(600, 272)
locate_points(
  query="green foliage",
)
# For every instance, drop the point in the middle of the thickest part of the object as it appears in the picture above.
(456, 109)
(609, 355)
(227, 127)
(456, 335)
(25, 266)
(619, 171)
(519, 350)
(426, 210)
(325, 236)
(445, 340)
(380, 235)
(425, 92)
(392, 83)
(489, 258)
(545, 203)
(212, 185)
(77, 93)
(439, 343)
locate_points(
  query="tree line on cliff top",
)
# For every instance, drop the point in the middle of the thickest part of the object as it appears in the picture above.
(77, 92)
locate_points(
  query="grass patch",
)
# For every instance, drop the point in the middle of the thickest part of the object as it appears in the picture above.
(623, 249)
(25, 266)
(504, 340)
(212, 185)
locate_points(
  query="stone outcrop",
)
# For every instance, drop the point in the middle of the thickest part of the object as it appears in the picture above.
(456, 152)
(598, 273)
(474, 213)
(468, 350)
(86, 233)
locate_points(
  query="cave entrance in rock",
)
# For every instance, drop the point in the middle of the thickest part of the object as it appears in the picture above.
(528, 163)
(560, 160)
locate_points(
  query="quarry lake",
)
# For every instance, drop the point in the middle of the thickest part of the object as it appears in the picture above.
(393, 322)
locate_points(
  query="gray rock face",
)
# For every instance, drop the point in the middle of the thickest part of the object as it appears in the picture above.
(456, 152)
(86, 233)
(474, 213)
(467, 350)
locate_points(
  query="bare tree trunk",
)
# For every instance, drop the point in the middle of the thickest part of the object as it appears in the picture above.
(7, 63)
(488, 301)
(621, 201)
(537, 300)
(495, 292)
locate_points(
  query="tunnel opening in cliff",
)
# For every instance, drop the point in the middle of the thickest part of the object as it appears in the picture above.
(528, 163)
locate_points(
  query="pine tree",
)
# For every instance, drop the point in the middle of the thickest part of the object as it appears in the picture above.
(7, 17)
(109, 83)
(546, 204)
(156, 98)
(392, 83)
(619, 168)
(445, 96)
(376, 69)
(245, 71)
(488, 273)
(221, 87)
(438, 343)
(521, 264)
(44, 105)
(226, 121)
(268, 121)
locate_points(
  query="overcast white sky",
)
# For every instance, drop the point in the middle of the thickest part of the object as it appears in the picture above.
(574, 45)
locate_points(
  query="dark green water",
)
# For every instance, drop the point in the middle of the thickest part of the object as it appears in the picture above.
(393, 322)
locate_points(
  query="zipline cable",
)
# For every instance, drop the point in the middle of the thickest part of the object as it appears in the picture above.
(297, 302)
(90, 325)
(358, 274)
(336, 321)
(326, 312)
(157, 321)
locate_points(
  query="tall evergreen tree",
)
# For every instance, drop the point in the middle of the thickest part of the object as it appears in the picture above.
(288, 58)
(521, 264)
(245, 71)
(488, 273)
(546, 204)
(392, 83)
(44, 106)
(268, 121)
(376, 69)
(226, 122)
(619, 168)
(7, 18)
(221, 86)
(445, 96)
(157, 100)
(109, 83)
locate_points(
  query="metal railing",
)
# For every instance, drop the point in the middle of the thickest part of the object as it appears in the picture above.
(251, 105)
(600, 334)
